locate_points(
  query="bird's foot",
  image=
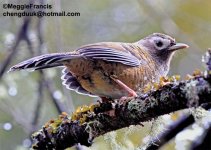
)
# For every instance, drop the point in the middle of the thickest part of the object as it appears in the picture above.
(123, 100)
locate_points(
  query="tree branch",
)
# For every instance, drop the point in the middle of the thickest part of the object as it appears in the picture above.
(21, 35)
(203, 143)
(39, 103)
(50, 87)
(173, 130)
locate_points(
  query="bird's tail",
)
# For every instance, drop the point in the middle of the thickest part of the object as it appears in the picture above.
(44, 61)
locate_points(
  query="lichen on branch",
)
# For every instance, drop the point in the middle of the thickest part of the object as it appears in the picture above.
(90, 122)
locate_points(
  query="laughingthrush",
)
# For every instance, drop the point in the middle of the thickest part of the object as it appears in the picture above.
(111, 69)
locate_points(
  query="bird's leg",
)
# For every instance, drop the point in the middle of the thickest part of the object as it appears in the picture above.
(131, 93)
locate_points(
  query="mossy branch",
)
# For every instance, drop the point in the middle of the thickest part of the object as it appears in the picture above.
(90, 123)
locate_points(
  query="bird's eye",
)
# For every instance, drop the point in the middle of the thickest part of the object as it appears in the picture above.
(159, 43)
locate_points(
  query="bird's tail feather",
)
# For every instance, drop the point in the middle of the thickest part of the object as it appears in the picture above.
(44, 61)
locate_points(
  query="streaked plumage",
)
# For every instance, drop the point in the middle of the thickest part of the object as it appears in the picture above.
(109, 69)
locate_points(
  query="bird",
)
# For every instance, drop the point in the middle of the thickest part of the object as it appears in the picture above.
(111, 70)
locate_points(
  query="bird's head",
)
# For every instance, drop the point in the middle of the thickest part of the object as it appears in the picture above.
(161, 46)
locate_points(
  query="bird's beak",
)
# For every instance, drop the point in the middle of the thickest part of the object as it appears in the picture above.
(178, 46)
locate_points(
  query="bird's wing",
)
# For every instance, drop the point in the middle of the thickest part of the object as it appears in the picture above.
(110, 51)
(71, 83)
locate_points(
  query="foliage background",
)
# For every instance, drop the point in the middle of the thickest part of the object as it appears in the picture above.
(128, 21)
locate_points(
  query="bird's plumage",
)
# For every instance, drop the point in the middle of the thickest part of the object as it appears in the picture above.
(113, 53)
(71, 83)
(96, 69)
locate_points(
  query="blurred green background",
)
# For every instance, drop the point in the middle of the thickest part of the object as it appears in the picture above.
(108, 20)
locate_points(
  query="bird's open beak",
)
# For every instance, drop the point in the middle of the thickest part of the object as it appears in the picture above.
(178, 46)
